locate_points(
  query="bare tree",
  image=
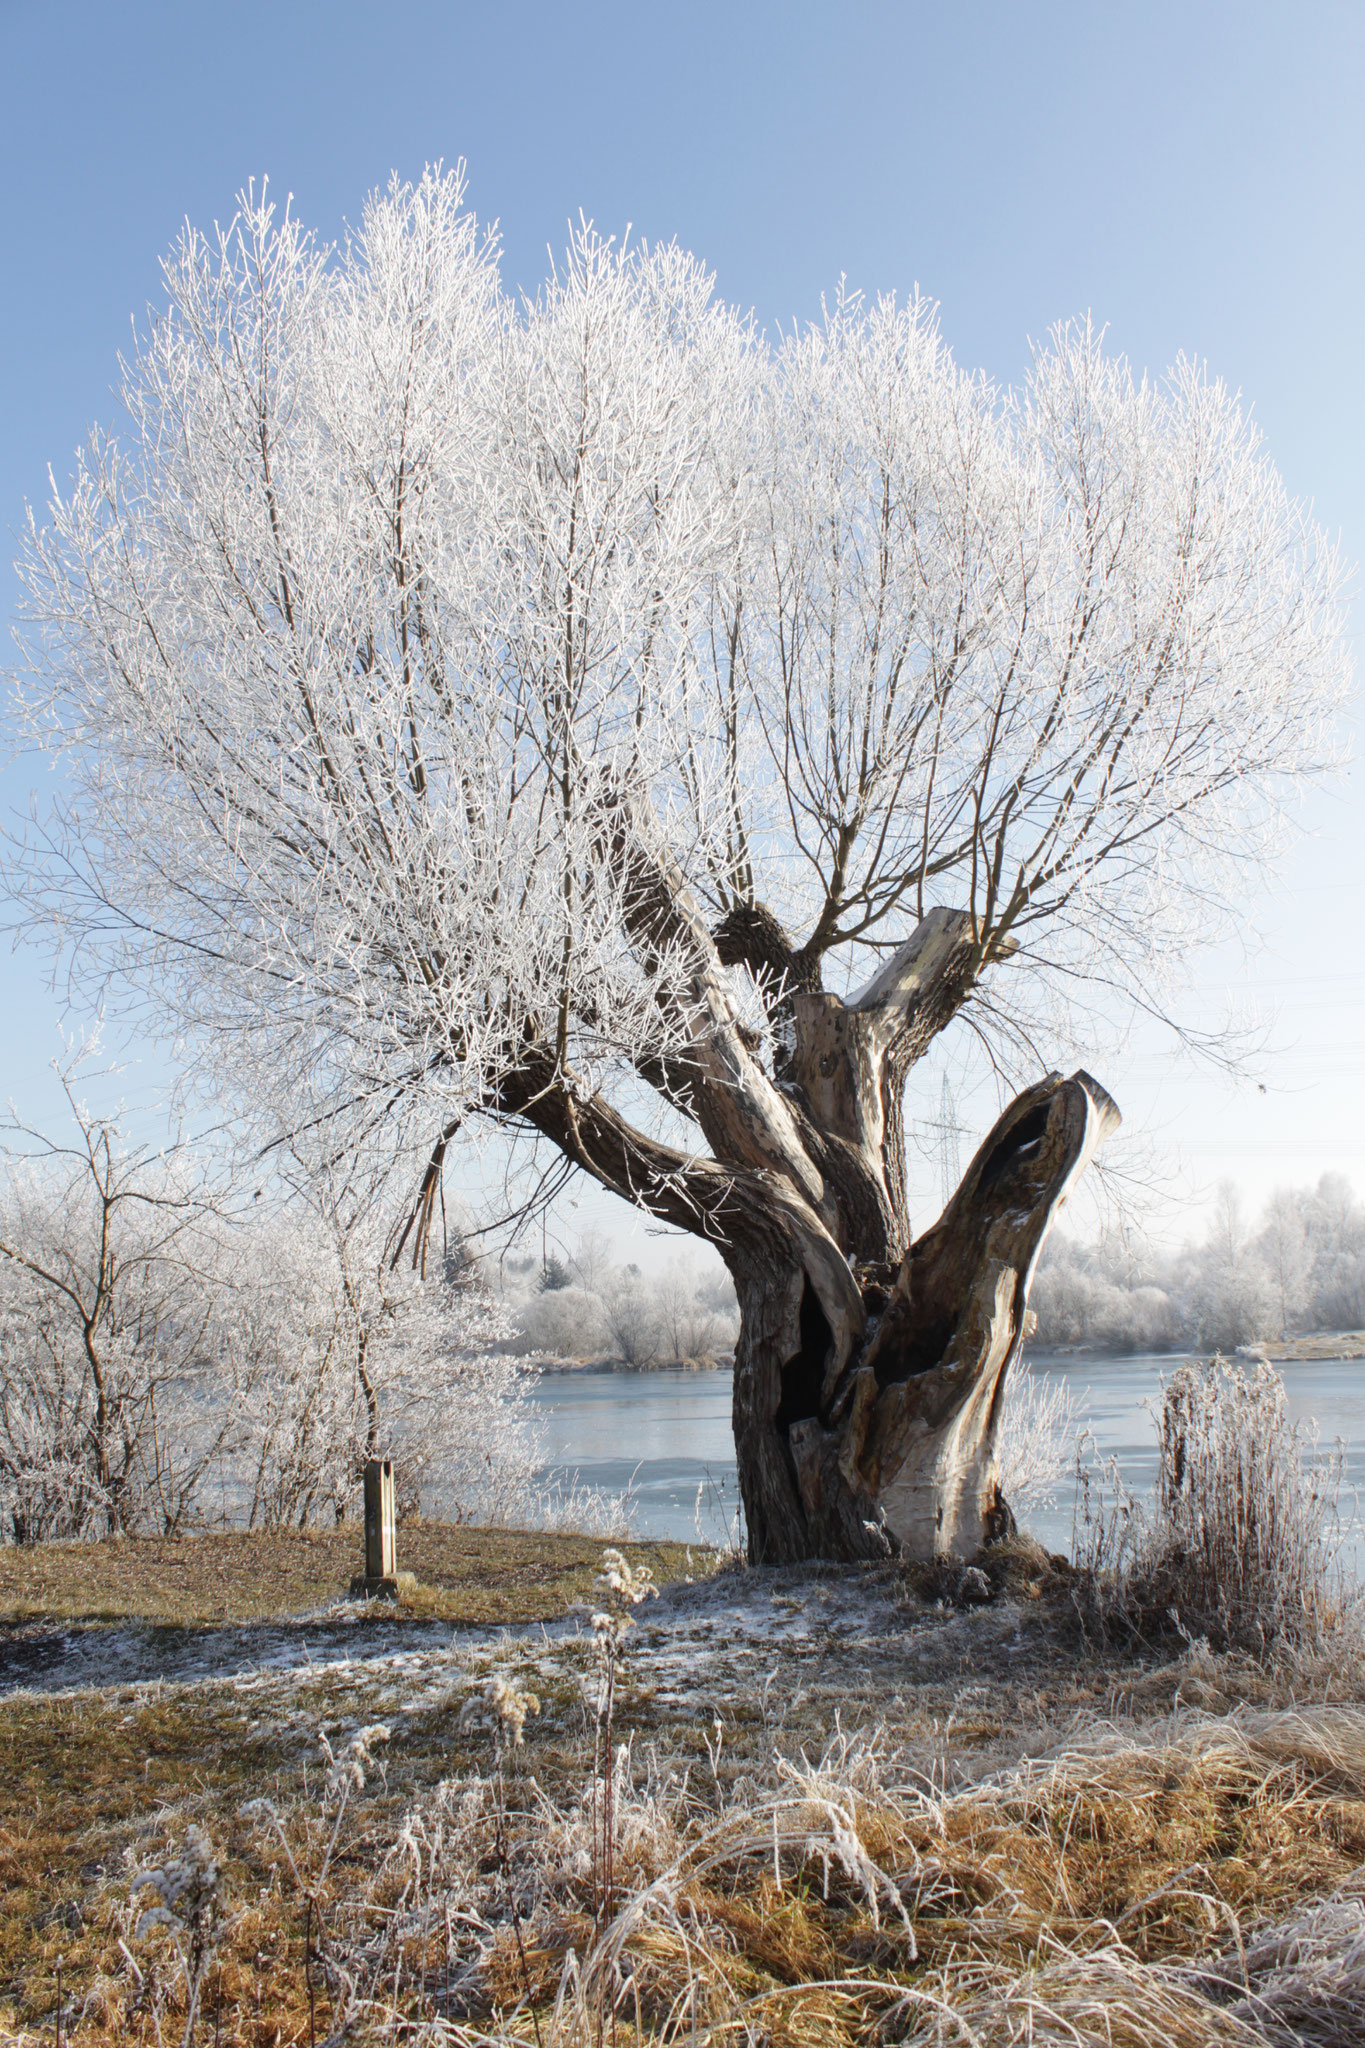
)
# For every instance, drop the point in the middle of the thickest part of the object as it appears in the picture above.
(1284, 1249)
(107, 1333)
(630, 1310)
(586, 717)
(166, 1354)
(695, 1315)
(349, 1357)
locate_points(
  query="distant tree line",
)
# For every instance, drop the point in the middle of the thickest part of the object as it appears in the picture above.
(585, 1304)
(1298, 1267)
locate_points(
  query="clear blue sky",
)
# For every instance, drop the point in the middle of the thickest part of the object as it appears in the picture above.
(1191, 173)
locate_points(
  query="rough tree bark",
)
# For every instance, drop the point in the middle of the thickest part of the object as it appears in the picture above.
(870, 1370)
(872, 1403)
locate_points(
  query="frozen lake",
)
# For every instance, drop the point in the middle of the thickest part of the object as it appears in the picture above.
(666, 1434)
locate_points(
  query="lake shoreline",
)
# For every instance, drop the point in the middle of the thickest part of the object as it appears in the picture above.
(723, 1362)
(1318, 1347)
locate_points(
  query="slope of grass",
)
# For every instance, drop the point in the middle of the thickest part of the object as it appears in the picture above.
(478, 1576)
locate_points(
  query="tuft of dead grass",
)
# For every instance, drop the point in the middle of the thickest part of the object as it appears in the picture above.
(1242, 1546)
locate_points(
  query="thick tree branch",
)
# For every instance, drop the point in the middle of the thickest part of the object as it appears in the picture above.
(739, 1109)
(849, 1063)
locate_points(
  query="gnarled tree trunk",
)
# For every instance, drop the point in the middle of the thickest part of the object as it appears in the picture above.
(871, 1401)
(870, 1369)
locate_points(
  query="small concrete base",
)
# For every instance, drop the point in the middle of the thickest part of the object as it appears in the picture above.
(374, 1589)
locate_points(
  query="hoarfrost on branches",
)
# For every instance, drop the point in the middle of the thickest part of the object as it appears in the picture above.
(430, 669)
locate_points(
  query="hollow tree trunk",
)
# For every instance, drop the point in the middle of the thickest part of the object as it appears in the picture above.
(870, 1408)
(870, 1370)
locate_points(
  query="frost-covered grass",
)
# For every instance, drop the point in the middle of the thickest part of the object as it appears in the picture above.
(838, 1807)
(1243, 1541)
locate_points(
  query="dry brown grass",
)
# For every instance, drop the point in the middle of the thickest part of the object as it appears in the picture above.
(1114, 1894)
(464, 1575)
(798, 1884)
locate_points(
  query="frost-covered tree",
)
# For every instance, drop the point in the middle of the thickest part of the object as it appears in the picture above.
(169, 1354)
(109, 1419)
(587, 716)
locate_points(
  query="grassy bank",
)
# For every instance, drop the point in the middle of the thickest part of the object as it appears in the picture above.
(474, 1576)
(847, 1807)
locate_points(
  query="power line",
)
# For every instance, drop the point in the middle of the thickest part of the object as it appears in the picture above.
(946, 1132)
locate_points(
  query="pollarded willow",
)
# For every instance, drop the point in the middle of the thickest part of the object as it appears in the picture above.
(537, 711)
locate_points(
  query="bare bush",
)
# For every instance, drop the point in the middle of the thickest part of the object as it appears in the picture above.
(110, 1414)
(1241, 1543)
(165, 1361)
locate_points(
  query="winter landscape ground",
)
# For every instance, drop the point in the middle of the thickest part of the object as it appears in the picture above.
(844, 1803)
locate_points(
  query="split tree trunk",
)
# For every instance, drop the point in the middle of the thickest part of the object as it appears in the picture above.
(870, 1370)
(884, 1416)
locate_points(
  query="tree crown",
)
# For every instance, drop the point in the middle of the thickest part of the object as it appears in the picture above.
(468, 702)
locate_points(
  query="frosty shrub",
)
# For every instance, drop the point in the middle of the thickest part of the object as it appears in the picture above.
(1244, 1525)
(1037, 1439)
(188, 1890)
(562, 1322)
(169, 1355)
(1241, 1541)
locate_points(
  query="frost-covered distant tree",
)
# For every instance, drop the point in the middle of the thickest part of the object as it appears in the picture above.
(537, 712)
(1334, 1224)
(695, 1316)
(108, 1367)
(631, 1314)
(1283, 1248)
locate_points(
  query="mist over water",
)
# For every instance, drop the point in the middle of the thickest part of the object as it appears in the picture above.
(665, 1434)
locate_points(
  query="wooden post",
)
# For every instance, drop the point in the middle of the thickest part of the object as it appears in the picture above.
(380, 1562)
(380, 1578)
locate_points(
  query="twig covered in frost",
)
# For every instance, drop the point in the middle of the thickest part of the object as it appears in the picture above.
(625, 1586)
(189, 1893)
